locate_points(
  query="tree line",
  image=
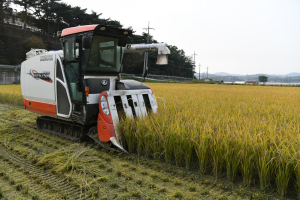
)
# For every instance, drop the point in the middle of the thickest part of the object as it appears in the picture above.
(51, 16)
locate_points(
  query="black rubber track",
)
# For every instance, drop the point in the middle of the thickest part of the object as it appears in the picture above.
(62, 128)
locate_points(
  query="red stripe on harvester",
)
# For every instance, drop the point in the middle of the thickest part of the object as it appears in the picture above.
(40, 107)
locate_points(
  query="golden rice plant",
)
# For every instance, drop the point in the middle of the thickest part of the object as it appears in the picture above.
(247, 130)
(11, 94)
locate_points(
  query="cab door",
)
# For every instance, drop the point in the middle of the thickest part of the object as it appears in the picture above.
(63, 100)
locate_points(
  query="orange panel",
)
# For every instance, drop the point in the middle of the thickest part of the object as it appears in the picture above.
(40, 107)
(105, 130)
(24, 102)
(69, 31)
(104, 116)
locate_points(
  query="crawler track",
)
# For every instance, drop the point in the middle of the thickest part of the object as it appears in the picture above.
(62, 128)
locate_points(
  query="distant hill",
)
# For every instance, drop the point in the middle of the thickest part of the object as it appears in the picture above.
(226, 74)
(291, 77)
(222, 74)
(293, 74)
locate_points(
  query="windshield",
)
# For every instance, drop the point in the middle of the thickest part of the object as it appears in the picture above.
(105, 55)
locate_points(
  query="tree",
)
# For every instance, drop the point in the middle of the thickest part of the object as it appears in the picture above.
(33, 42)
(178, 63)
(4, 5)
(61, 11)
(3, 60)
(46, 7)
(263, 79)
(26, 4)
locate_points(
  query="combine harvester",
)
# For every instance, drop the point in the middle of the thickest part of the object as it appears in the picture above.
(79, 90)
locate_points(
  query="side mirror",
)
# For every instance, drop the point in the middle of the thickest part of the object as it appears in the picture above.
(86, 42)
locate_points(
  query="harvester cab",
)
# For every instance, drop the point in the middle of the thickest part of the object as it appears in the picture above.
(79, 90)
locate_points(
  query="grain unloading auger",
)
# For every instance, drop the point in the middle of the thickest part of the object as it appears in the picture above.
(78, 90)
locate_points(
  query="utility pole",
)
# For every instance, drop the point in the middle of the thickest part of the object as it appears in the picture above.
(145, 71)
(199, 71)
(194, 64)
(207, 72)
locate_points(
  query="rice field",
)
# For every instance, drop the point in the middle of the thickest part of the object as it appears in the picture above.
(38, 165)
(247, 134)
(240, 131)
(11, 94)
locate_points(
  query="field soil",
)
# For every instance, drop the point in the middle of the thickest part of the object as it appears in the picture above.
(38, 165)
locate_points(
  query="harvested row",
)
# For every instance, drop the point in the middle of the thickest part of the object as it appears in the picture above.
(45, 184)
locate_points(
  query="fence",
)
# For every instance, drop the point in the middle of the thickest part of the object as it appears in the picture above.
(9, 77)
(168, 77)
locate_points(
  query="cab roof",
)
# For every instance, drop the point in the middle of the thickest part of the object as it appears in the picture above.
(95, 27)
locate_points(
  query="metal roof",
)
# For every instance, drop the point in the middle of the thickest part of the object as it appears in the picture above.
(96, 27)
(78, 29)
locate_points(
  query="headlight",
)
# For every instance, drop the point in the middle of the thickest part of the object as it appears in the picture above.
(104, 105)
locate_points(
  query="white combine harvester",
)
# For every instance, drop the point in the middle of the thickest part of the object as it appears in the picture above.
(78, 89)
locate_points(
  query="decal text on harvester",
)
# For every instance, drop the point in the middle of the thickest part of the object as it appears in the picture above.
(45, 76)
(46, 58)
(145, 47)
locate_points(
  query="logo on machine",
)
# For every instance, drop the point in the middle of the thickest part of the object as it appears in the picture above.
(128, 46)
(46, 58)
(104, 82)
(45, 76)
(145, 47)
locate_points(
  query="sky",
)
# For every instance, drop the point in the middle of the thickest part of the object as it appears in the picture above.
(233, 36)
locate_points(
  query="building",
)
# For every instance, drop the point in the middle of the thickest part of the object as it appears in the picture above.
(207, 79)
(251, 82)
(239, 82)
(16, 21)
